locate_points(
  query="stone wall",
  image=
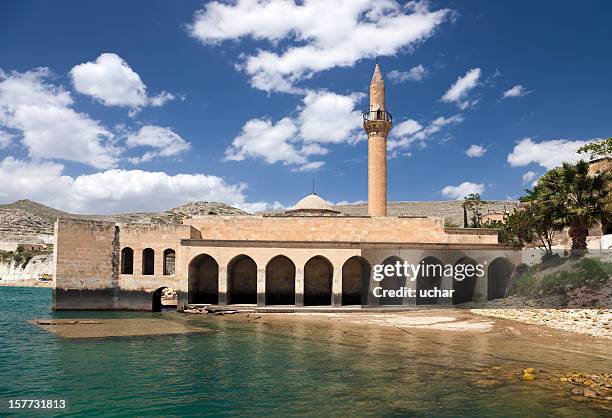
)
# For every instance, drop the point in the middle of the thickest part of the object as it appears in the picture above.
(87, 271)
(338, 229)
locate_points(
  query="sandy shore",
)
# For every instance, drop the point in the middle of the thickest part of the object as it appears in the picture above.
(25, 283)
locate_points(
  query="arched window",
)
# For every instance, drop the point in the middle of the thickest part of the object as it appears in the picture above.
(169, 262)
(148, 262)
(127, 261)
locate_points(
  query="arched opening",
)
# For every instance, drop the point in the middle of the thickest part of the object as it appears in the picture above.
(242, 280)
(498, 278)
(355, 280)
(169, 262)
(393, 282)
(148, 261)
(280, 281)
(127, 261)
(429, 278)
(203, 280)
(318, 274)
(164, 298)
(464, 289)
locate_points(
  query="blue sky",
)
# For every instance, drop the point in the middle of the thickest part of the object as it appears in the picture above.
(119, 106)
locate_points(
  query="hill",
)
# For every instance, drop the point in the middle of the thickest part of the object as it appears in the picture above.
(27, 221)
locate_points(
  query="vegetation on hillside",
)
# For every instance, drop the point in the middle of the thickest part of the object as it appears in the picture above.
(21, 256)
(583, 283)
(566, 196)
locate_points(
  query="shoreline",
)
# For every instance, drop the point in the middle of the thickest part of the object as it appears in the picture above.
(25, 283)
(595, 322)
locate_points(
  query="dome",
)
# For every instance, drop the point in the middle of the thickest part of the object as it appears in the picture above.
(312, 205)
(312, 202)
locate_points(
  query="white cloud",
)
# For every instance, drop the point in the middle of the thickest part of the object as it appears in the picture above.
(411, 132)
(417, 73)
(113, 82)
(460, 89)
(548, 154)
(529, 176)
(166, 142)
(42, 182)
(49, 127)
(6, 138)
(114, 191)
(475, 151)
(260, 138)
(516, 91)
(312, 166)
(323, 118)
(407, 127)
(462, 190)
(325, 36)
(330, 118)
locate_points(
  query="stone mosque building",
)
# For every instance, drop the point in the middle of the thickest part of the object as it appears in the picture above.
(310, 257)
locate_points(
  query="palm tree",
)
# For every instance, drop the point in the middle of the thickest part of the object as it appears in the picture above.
(578, 200)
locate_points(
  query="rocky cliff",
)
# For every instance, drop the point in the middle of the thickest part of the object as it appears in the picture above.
(35, 268)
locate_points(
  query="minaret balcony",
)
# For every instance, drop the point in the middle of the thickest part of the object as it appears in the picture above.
(377, 115)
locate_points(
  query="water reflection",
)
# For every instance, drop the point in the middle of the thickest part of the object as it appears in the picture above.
(297, 366)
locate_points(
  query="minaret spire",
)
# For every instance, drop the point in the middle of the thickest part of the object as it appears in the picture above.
(377, 122)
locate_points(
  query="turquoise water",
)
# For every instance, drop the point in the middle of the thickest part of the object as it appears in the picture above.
(295, 369)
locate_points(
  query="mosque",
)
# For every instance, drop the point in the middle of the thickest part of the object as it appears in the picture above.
(310, 257)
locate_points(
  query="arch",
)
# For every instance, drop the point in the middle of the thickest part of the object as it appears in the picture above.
(242, 280)
(355, 280)
(318, 276)
(464, 289)
(392, 282)
(203, 280)
(169, 262)
(499, 273)
(160, 301)
(280, 281)
(148, 262)
(430, 277)
(127, 261)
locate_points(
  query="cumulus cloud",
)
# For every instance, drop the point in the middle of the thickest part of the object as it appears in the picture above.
(166, 142)
(323, 36)
(6, 138)
(414, 74)
(410, 132)
(323, 118)
(458, 92)
(115, 191)
(475, 151)
(547, 154)
(112, 81)
(462, 190)
(516, 91)
(529, 176)
(49, 127)
(330, 118)
(272, 142)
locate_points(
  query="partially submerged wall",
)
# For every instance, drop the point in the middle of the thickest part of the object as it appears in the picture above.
(87, 268)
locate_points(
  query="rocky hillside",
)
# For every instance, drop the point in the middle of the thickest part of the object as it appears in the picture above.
(27, 221)
(446, 209)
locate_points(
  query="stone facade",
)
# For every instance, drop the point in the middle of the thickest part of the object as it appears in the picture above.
(234, 254)
(311, 255)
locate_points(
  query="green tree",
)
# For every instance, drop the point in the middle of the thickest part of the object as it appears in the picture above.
(533, 224)
(575, 199)
(474, 204)
(598, 149)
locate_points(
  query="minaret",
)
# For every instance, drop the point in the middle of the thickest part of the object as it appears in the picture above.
(377, 124)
